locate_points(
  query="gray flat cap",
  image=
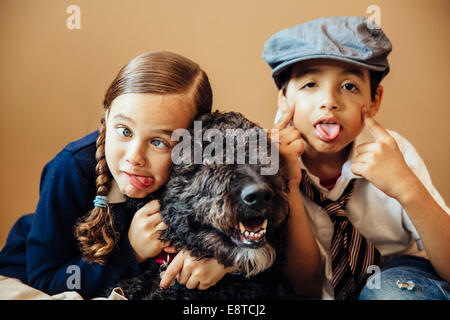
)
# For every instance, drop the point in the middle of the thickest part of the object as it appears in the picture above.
(349, 39)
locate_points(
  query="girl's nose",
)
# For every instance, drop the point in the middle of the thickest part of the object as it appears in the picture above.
(136, 154)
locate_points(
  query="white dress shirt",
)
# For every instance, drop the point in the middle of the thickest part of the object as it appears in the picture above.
(378, 217)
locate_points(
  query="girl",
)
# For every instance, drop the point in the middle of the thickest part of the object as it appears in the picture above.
(73, 242)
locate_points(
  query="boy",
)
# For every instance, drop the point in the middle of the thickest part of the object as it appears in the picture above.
(366, 196)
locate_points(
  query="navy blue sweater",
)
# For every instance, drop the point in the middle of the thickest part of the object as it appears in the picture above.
(41, 249)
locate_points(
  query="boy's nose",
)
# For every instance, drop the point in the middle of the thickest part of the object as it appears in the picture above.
(330, 106)
(329, 101)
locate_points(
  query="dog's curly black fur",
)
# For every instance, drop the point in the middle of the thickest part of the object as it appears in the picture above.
(202, 205)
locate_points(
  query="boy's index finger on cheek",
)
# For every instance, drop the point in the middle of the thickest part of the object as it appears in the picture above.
(376, 129)
(285, 118)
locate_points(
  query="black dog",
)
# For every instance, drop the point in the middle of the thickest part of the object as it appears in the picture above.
(223, 209)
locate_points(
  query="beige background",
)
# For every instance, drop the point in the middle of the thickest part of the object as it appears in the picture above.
(53, 79)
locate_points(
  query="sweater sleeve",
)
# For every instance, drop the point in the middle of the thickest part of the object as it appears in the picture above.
(54, 262)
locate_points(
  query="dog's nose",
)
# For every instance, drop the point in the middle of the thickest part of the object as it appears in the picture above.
(256, 195)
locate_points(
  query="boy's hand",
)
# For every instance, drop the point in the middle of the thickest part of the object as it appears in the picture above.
(194, 273)
(145, 231)
(290, 145)
(381, 162)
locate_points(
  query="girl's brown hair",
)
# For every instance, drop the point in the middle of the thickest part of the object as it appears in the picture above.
(157, 72)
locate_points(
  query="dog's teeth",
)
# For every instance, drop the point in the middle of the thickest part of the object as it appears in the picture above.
(241, 226)
(264, 225)
(253, 235)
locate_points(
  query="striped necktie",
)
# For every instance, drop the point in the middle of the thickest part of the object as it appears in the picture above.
(351, 253)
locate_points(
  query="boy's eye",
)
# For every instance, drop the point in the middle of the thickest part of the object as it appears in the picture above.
(159, 144)
(125, 132)
(309, 85)
(350, 87)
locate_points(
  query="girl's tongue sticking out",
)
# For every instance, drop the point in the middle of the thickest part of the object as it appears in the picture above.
(146, 181)
(140, 182)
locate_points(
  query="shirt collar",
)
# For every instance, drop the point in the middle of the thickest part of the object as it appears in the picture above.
(346, 174)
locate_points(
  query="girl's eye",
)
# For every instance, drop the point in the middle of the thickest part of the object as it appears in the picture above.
(309, 85)
(159, 144)
(350, 87)
(125, 132)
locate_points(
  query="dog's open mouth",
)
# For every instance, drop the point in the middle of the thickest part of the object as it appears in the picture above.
(250, 233)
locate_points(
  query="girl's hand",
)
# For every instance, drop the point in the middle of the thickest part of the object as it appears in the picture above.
(291, 144)
(382, 163)
(193, 273)
(145, 231)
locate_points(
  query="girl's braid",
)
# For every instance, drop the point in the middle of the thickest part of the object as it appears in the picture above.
(96, 233)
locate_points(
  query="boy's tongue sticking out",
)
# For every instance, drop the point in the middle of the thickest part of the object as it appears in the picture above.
(327, 130)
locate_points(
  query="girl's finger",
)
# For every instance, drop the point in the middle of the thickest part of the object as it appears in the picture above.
(192, 283)
(171, 249)
(184, 275)
(154, 220)
(150, 208)
(161, 226)
(202, 286)
(172, 270)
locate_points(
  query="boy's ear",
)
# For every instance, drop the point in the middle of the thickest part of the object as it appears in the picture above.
(376, 103)
(282, 101)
